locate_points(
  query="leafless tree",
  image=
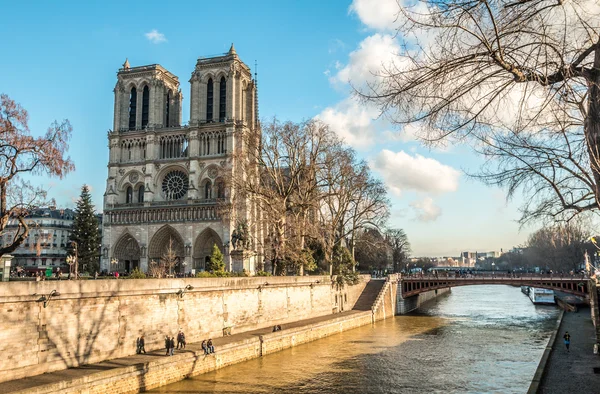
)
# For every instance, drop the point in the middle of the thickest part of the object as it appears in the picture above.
(21, 154)
(157, 269)
(559, 247)
(398, 242)
(169, 258)
(516, 78)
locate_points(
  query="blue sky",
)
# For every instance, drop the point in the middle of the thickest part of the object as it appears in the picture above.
(60, 61)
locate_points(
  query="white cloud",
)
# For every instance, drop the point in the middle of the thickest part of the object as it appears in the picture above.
(155, 37)
(351, 121)
(426, 210)
(401, 172)
(373, 53)
(376, 14)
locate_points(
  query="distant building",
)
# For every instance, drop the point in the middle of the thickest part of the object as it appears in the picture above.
(468, 259)
(45, 247)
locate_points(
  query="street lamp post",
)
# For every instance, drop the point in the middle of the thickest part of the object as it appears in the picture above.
(72, 260)
(115, 262)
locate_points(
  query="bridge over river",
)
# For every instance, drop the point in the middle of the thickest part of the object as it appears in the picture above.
(412, 285)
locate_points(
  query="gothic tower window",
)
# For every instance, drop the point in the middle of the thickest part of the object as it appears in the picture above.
(129, 195)
(209, 100)
(207, 190)
(132, 108)
(168, 108)
(145, 105)
(220, 189)
(222, 97)
(141, 194)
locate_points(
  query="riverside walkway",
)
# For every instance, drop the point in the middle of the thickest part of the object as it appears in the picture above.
(573, 372)
(68, 378)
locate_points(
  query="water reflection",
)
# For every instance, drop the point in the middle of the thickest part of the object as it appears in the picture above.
(477, 339)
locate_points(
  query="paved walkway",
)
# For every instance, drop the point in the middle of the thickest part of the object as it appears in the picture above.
(573, 372)
(80, 372)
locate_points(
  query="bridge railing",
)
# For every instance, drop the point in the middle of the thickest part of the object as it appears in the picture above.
(493, 275)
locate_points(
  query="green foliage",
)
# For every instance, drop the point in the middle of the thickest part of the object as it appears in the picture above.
(342, 260)
(205, 274)
(348, 277)
(263, 273)
(216, 263)
(85, 233)
(136, 273)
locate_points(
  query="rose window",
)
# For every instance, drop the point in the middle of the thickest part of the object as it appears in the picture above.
(175, 185)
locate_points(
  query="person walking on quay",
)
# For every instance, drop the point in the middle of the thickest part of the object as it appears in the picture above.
(172, 346)
(209, 344)
(567, 338)
(167, 344)
(141, 343)
(180, 340)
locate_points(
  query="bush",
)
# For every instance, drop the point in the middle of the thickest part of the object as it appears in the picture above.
(216, 274)
(348, 277)
(137, 274)
(263, 273)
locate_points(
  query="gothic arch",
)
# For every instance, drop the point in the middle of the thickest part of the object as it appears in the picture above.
(126, 181)
(127, 252)
(203, 248)
(204, 79)
(160, 243)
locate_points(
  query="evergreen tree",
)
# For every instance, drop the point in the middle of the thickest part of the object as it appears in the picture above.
(85, 234)
(216, 263)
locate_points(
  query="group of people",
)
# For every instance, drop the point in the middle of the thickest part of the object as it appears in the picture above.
(170, 343)
(208, 346)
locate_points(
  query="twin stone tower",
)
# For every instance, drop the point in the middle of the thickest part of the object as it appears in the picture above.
(167, 181)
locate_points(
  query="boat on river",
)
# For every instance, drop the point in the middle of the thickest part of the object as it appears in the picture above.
(541, 296)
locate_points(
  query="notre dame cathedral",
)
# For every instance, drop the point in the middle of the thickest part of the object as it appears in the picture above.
(165, 179)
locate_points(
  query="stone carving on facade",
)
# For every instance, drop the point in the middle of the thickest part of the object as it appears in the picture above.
(147, 188)
(157, 166)
(212, 172)
(144, 169)
(222, 163)
(201, 165)
(134, 177)
(187, 165)
(121, 171)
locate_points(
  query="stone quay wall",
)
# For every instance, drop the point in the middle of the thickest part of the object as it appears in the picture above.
(95, 320)
(406, 305)
(142, 377)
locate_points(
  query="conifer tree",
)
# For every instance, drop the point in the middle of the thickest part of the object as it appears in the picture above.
(85, 233)
(216, 263)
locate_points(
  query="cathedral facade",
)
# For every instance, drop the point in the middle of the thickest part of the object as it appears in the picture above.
(166, 181)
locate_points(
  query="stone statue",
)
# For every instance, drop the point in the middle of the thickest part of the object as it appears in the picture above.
(239, 237)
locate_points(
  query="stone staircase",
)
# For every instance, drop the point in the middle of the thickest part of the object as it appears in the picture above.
(369, 295)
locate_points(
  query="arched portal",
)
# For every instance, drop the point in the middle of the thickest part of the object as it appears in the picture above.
(203, 248)
(164, 238)
(127, 252)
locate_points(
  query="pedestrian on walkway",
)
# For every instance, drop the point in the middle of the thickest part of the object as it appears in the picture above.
(141, 345)
(172, 346)
(205, 347)
(211, 348)
(180, 339)
(567, 338)
(167, 344)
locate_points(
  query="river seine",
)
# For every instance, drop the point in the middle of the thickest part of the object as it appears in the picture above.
(476, 339)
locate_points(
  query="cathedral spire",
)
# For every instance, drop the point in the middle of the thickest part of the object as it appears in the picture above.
(232, 50)
(126, 64)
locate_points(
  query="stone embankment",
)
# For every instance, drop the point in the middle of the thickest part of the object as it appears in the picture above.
(136, 373)
(65, 324)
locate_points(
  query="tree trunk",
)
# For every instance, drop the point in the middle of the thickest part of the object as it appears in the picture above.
(592, 124)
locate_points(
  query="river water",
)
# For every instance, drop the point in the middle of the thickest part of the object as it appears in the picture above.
(477, 339)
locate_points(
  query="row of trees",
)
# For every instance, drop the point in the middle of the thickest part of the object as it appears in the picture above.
(558, 247)
(316, 200)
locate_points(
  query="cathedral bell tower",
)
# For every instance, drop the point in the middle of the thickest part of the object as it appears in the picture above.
(166, 183)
